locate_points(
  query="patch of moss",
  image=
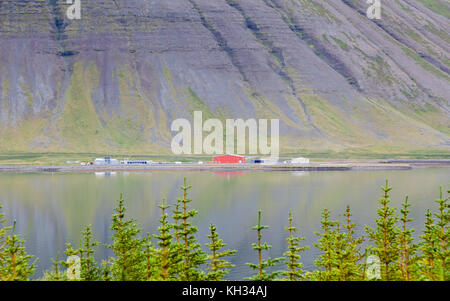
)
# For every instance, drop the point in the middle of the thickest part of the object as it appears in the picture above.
(27, 92)
(320, 10)
(197, 104)
(415, 37)
(341, 44)
(407, 95)
(4, 98)
(268, 109)
(424, 64)
(405, 8)
(328, 118)
(79, 123)
(439, 7)
(381, 69)
(173, 91)
(440, 33)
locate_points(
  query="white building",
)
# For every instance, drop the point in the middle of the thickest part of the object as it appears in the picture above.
(106, 161)
(300, 161)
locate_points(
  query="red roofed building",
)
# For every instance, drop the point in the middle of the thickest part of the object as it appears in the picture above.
(229, 159)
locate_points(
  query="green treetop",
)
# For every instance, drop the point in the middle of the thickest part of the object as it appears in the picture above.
(385, 236)
(408, 249)
(127, 247)
(292, 255)
(217, 266)
(353, 269)
(193, 255)
(15, 265)
(429, 247)
(89, 268)
(262, 265)
(3, 230)
(442, 221)
(326, 244)
(167, 257)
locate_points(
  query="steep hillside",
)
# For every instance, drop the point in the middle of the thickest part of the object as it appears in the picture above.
(114, 80)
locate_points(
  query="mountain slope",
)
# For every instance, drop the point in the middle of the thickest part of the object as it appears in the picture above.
(114, 80)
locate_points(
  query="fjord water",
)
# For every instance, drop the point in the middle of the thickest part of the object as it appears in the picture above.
(52, 209)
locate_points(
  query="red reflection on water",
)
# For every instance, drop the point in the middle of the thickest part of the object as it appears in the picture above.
(228, 174)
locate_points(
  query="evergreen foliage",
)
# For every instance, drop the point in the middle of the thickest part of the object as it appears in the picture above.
(193, 255)
(442, 220)
(326, 244)
(429, 247)
(3, 230)
(346, 252)
(408, 259)
(262, 265)
(127, 247)
(15, 265)
(167, 258)
(56, 274)
(177, 255)
(292, 255)
(89, 268)
(352, 270)
(385, 236)
(151, 267)
(217, 267)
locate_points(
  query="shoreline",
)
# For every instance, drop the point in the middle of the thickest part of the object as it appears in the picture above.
(317, 166)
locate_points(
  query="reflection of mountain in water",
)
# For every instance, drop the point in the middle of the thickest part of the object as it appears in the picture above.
(52, 209)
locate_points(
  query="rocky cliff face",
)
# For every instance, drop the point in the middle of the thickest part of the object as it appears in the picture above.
(114, 80)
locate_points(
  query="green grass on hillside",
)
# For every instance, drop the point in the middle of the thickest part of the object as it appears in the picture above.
(441, 7)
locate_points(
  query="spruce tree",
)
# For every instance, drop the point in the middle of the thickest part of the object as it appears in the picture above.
(90, 271)
(73, 271)
(129, 260)
(353, 269)
(408, 249)
(151, 267)
(3, 231)
(16, 264)
(177, 246)
(326, 245)
(385, 236)
(106, 270)
(168, 256)
(177, 216)
(442, 221)
(343, 262)
(193, 255)
(218, 268)
(429, 247)
(262, 274)
(292, 255)
(56, 274)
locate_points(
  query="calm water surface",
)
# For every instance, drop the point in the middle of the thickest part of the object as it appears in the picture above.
(51, 209)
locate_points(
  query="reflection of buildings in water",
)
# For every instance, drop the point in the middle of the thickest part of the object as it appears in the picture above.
(299, 173)
(229, 174)
(103, 174)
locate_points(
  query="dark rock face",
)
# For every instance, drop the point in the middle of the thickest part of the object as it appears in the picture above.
(114, 80)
